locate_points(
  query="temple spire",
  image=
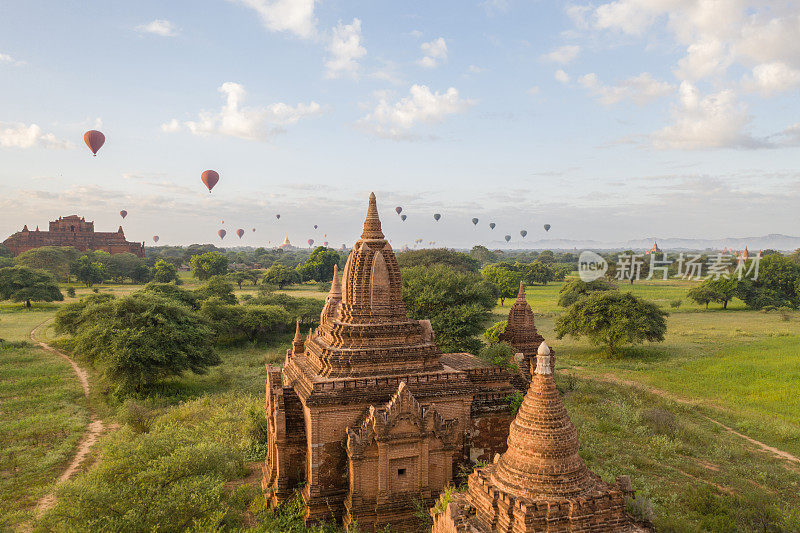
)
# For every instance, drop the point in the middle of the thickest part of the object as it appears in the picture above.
(521, 293)
(336, 286)
(298, 347)
(372, 224)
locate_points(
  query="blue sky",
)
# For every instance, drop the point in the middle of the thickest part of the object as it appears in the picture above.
(610, 121)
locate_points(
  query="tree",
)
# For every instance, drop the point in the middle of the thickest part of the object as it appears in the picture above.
(503, 278)
(280, 275)
(724, 289)
(702, 295)
(217, 287)
(547, 256)
(183, 296)
(138, 339)
(612, 318)
(5, 252)
(457, 304)
(89, 272)
(438, 256)
(778, 284)
(208, 264)
(121, 266)
(493, 333)
(319, 265)
(576, 289)
(54, 259)
(538, 273)
(22, 284)
(483, 254)
(164, 272)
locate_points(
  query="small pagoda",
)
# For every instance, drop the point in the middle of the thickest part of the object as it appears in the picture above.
(521, 334)
(540, 483)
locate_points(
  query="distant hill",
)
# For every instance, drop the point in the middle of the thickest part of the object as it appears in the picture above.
(774, 241)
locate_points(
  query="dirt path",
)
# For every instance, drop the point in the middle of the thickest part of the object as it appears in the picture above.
(612, 378)
(93, 430)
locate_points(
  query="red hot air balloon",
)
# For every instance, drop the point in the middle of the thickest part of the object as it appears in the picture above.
(310, 242)
(492, 225)
(155, 238)
(325, 244)
(94, 140)
(436, 217)
(222, 233)
(123, 213)
(240, 232)
(398, 209)
(210, 178)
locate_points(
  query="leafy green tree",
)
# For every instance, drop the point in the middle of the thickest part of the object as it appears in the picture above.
(547, 256)
(237, 323)
(164, 272)
(503, 278)
(138, 339)
(240, 276)
(54, 259)
(5, 252)
(121, 266)
(500, 354)
(208, 264)
(22, 284)
(306, 310)
(725, 289)
(612, 318)
(438, 256)
(217, 287)
(457, 304)
(702, 295)
(778, 284)
(280, 275)
(483, 255)
(538, 272)
(182, 296)
(89, 272)
(6, 262)
(576, 289)
(493, 333)
(319, 265)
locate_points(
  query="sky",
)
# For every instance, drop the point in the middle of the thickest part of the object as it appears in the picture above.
(607, 120)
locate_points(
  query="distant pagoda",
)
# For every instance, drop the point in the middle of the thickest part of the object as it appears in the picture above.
(521, 334)
(654, 250)
(540, 483)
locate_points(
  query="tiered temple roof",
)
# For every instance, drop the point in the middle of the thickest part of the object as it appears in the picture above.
(521, 333)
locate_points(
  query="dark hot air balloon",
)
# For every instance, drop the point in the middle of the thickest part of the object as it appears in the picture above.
(436, 217)
(123, 213)
(403, 217)
(240, 232)
(278, 217)
(210, 178)
(222, 233)
(315, 226)
(547, 227)
(492, 225)
(474, 221)
(254, 230)
(155, 238)
(94, 140)
(398, 209)
(310, 242)
(508, 238)
(523, 233)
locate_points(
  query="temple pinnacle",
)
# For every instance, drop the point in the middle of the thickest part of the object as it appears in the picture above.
(521, 293)
(372, 224)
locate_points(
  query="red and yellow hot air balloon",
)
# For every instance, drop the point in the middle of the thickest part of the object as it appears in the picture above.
(94, 140)
(240, 232)
(123, 213)
(210, 178)
(155, 238)
(222, 233)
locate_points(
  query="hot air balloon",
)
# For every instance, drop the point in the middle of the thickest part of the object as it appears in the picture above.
(403, 217)
(123, 213)
(254, 230)
(508, 238)
(325, 235)
(310, 242)
(523, 233)
(222, 233)
(474, 221)
(278, 217)
(155, 238)
(94, 140)
(222, 221)
(240, 232)
(436, 217)
(315, 226)
(325, 244)
(492, 225)
(398, 209)
(210, 178)
(547, 227)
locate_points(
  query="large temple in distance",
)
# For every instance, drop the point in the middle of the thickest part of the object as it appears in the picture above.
(73, 231)
(367, 415)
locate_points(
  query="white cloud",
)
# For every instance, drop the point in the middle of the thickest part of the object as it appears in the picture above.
(396, 120)
(563, 54)
(774, 77)
(714, 121)
(161, 27)
(435, 53)
(640, 89)
(293, 16)
(534, 90)
(345, 50)
(250, 123)
(8, 60)
(561, 76)
(18, 135)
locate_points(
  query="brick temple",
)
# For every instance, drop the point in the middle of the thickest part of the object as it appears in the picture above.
(521, 334)
(539, 483)
(73, 231)
(367, 414)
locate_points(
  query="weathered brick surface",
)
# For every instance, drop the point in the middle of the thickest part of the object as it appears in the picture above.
(367, 412)
(73, 231)
(540, 483)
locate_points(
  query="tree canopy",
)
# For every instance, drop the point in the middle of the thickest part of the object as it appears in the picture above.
(89, 272)
(208, 264)
(613, 318)
(22, 284)
(504, 278)
(280, 275)
(576, 289)
(457, 304)
(164, 272)
(54, 259)
(438, 256)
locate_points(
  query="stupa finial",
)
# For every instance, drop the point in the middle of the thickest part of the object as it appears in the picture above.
(372, 224)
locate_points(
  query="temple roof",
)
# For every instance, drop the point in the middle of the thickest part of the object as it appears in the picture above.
(542, 459)
(521, 332)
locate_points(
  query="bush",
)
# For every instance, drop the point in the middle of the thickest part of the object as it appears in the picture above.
(499, 354)
(675, 303)
(660, 420)
(71, 292)
(493, 333)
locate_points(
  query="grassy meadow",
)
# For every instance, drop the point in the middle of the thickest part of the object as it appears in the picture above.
(646, 412)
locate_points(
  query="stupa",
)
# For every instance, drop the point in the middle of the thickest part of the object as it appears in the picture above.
(540, 483)
(366, 413)
(521, 334)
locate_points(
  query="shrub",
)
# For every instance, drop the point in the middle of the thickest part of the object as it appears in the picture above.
(675, 303)
(660, 420)
(498, 354)
(71, 292)
(493, 333)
